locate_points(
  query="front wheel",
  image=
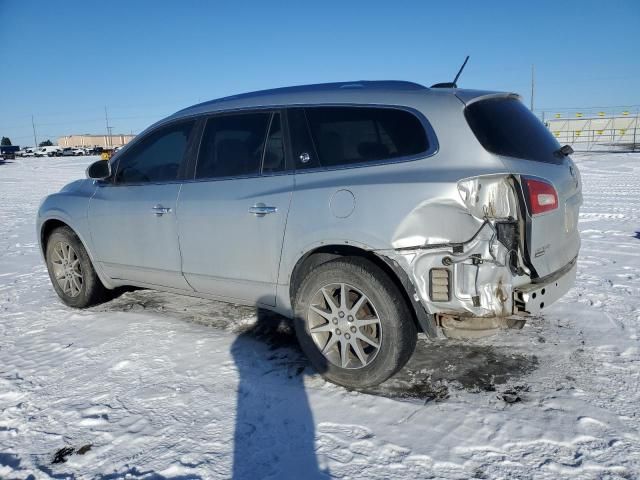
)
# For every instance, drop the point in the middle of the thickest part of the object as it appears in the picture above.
(353, 323)
(73, 277)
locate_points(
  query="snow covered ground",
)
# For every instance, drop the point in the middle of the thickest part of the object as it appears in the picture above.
(153, 385)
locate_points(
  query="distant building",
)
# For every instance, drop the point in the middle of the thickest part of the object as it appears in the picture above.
(104, 141)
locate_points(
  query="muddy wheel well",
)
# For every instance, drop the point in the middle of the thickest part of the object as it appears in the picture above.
(48, 227)
(329, 252)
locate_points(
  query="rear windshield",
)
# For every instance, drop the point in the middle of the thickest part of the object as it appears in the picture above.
(504, 126)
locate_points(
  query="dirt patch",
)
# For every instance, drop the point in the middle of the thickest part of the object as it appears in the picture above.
(61, 455)
(514, 394)
(437, 366)
(220, 315)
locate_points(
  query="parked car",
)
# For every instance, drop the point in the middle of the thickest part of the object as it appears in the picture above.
(68, 152)
(27, 152)
(79, 151)
(50, 151)
(365, 211)
(95, 151)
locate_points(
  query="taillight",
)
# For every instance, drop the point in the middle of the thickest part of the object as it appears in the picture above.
(542, 196)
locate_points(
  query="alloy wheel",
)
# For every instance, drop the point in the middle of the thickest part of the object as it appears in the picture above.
(344, 325)
(67, 269)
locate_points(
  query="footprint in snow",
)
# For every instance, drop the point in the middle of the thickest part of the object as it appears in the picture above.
(352, 431)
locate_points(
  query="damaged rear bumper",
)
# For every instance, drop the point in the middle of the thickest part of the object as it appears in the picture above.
(534, 297)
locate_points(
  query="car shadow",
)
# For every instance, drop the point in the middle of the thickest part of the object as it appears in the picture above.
(274, 426)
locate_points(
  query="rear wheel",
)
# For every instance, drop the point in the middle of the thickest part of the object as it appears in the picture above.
(353, 323)
(73, 277)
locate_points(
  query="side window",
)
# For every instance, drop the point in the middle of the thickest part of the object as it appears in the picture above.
(156, 158)
(348, 135)
(274, 149)
(232, 145)
(304, 152)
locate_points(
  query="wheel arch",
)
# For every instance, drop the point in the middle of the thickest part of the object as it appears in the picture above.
(325, 253)
(47, 228)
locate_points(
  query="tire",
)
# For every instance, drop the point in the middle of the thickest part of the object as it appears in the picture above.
(395, 332)
(86, 290)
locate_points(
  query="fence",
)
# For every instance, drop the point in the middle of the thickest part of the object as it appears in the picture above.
(585, 132)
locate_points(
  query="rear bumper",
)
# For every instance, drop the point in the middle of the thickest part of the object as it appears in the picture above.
(535, 297)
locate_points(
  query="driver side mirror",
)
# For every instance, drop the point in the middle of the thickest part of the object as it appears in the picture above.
(99, 170)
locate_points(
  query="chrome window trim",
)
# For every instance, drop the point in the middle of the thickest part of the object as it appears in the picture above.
(432, 139)
(431, 135)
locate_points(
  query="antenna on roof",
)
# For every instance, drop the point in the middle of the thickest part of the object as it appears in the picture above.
(453, 84)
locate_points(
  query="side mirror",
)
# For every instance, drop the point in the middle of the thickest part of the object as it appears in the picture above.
(99, 170)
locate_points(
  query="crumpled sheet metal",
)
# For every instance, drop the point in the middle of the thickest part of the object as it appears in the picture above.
(489, 196)
(491, 280)
(426, 236)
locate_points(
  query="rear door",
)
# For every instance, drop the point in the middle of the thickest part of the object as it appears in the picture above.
(232, 215)
(507, 128)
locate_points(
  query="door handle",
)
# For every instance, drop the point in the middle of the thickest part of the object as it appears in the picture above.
(260, 209)
(159, 210)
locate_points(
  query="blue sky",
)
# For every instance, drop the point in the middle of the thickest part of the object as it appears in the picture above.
(64, 62)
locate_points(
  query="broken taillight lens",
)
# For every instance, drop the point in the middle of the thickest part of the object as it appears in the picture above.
(542, 196)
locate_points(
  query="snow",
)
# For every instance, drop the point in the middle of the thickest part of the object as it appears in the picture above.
(156, 385)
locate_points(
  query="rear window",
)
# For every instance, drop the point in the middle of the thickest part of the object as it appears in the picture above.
(351, 135)
(505, 126)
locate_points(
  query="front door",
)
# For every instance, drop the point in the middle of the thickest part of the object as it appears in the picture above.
(232, 216)
(133, 217)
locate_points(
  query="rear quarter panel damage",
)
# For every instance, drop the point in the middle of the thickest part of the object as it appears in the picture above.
(458, 233)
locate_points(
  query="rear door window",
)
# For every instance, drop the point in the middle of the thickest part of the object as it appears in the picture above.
(351, 135)
(233, 145)
(505, 126)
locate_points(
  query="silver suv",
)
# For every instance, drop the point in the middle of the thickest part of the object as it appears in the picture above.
(365, 211)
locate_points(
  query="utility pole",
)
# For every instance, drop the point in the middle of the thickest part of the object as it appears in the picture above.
(106, 118)
(633, 149)
(533, 84)
(35, 141)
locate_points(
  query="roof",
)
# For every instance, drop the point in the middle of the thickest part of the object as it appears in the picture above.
(316, 93)
(369, 85)
(372, 92)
